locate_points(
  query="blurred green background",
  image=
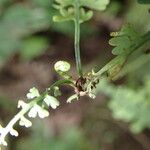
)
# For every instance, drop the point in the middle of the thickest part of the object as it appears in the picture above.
(30, 44)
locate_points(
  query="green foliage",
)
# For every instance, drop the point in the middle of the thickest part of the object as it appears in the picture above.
(132, 105)
(113, 9)
(21, 20)
(129, 104)
(70, 139)
(3, 2)
(134, 102)
(33, 47)
(67, 9)
(124, 40)
(95, 4)
(92, 4)
(66, 16)
(144, 1)
(18, 22)
(135, 12)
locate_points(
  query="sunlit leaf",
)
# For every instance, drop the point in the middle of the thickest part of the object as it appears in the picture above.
(95, 4)
(67, 9)
(124, 40)
(129, 104)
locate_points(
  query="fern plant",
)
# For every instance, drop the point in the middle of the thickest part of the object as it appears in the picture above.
(126, 41)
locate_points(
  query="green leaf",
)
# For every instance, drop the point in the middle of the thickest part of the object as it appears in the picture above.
(51, 101)
(3, 2)
(124, 40)
(67, 9)
(33, 47)
(84, 16)
(129, 104)
(144, 1)
(132, 105)
(95, 4)
(17, 23)
(65, 3)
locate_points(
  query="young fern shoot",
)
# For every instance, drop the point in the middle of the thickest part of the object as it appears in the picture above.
(86, 83)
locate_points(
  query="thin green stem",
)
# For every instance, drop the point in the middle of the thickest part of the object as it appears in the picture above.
(77, 38)
(59, 83)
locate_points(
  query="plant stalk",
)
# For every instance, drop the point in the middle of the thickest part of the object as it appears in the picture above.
(77, 38)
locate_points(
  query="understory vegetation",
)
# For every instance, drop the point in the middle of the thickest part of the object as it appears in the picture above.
(93, 54)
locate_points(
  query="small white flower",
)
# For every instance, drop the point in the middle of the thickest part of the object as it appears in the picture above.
(33, 92)
(21, 104)
(51, 101)
(3, 142)
(25, 122)
(42, 113)
(14, 132)
(33, 112)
